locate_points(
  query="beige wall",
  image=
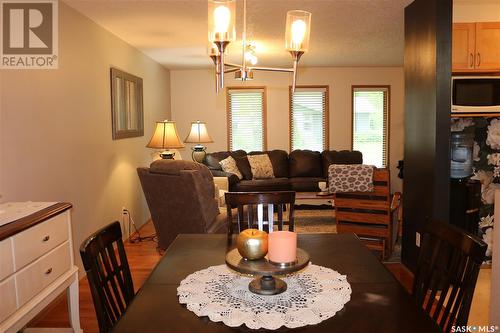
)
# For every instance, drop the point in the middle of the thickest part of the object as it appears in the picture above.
(194, 97)
(55, 136)
(488, 11)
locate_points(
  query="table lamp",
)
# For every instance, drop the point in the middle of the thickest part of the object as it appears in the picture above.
(165, 137)
(198, 135)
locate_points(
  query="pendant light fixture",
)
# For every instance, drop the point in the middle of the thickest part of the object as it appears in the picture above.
(222, 31)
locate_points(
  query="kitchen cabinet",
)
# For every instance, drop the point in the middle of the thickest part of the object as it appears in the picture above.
(476, 47)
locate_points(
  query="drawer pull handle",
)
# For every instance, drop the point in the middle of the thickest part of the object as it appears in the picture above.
(47, 272)
(46, 238)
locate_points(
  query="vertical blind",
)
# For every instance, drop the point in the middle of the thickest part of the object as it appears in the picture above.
(308, 118)
(246, 117)
(370, 124)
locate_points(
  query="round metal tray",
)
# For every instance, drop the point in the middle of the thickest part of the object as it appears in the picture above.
(262, 266)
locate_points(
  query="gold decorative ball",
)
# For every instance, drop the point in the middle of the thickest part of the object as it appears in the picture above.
(252, 244)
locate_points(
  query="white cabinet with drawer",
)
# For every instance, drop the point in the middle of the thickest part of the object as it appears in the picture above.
(7, 262)
(43, 272)
(41, 238)
(8, 304)
(36, 266)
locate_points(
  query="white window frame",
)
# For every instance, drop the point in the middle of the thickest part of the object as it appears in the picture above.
(326, 113)
(229, 115)
(386, 125)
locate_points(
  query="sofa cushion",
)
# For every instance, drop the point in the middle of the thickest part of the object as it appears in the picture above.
(306, 184)
(279, 160)
(305, 163)
(340, 157)
(244, 167)
(212, 159)
(174, 167)
(258, 185)
(261, 166)
(229, 165)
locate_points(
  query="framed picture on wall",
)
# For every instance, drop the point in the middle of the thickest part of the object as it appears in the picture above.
(127, 114)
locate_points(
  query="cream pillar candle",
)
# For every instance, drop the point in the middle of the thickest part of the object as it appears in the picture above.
(282, 247)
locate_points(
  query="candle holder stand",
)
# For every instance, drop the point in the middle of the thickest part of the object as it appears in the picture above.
(266, 282)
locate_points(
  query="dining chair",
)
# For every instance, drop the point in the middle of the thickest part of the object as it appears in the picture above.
(446, 274)
(256, 210)
(108, 274)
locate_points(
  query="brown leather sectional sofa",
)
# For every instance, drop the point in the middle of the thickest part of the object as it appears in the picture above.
(300, 171)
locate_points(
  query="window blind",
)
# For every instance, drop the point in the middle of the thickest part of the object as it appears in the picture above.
(309, 118)
(370, 124)
(246, 119)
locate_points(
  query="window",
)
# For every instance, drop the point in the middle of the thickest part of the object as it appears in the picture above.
(309, 118)
(370, 134)
(246, 110)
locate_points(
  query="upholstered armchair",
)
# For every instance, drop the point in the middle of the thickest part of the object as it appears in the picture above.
(181, 198)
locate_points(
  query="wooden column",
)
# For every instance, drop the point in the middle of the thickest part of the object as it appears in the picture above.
(427, 63)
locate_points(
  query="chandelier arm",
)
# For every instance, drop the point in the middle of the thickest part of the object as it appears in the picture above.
(221, 68)
(244, 36)
(231, 70)
(221, 46)
(215, 59)
(272, 69)
(296, 57)
(230, 64)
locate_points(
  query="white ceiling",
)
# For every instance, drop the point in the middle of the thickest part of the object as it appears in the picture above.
(174, 32)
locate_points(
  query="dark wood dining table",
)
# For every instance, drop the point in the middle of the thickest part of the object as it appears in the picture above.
(378, 302)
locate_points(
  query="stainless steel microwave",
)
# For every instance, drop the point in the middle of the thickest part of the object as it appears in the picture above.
(475, 94)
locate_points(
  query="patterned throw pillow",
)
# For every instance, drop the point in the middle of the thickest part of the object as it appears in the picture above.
(229, 165)
(350, 178)
(261, 166)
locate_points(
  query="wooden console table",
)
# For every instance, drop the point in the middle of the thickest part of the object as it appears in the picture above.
(37, 265)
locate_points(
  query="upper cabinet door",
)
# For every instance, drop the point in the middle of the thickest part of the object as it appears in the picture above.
(463, 46)
(487, 45)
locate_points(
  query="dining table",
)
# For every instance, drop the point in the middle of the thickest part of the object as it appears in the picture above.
(378, 301)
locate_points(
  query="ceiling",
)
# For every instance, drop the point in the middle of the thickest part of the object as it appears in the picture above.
(174, 32)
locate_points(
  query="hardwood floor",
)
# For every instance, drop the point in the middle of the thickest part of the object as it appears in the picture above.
(142, 259)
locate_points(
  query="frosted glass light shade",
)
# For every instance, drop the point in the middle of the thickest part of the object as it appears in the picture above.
(221, 20)
(165, 136)
(298, 29)
(198, 133)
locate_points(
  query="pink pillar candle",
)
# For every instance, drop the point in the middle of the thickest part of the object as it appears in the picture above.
(282, 247)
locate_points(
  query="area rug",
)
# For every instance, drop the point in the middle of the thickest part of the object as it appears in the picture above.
(318, 221)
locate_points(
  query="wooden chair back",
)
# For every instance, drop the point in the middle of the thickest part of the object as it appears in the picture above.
(256, 210)
(368, 214)
(108, 274)
(446, 275)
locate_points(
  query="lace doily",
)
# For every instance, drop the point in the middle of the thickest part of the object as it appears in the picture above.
(314, 294)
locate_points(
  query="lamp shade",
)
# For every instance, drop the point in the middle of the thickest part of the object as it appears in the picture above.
(198, 133)
(298, 28)
(165, 136)
(221, 20)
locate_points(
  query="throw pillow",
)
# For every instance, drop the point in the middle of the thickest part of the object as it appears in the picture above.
(229, 165)
(261, 166)
(350, 178)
